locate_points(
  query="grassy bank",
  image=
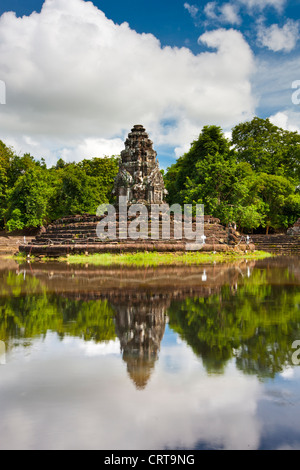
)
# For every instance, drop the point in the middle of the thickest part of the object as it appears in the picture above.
(143, 259)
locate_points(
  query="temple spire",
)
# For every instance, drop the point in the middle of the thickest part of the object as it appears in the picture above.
(139, 177)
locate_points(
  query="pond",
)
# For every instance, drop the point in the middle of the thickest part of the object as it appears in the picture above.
(190, 357)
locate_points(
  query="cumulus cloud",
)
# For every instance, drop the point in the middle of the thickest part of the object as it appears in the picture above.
(77, 82)
(225, 13)
(192, 9)
(89, 147)
(210, 10)
(112, 413)
(287, 119)
(279, 39)
(262, 4)
(229, 13)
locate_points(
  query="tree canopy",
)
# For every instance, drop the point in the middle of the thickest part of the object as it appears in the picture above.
(32, 195)
(252, 180)
(268, 148)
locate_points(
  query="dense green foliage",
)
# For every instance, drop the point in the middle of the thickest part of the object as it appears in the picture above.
(252, 180)
(32, 195)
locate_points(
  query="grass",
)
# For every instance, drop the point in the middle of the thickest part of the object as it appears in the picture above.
(151, 259)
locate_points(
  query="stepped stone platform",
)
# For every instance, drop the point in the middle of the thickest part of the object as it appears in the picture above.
(139, 181)
(295, 230)
(280, 244)
(77, 235)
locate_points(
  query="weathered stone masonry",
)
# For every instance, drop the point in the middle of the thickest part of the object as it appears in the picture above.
(139, 177)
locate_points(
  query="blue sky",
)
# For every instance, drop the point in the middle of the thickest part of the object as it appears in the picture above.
(79, 74)
(169, 20)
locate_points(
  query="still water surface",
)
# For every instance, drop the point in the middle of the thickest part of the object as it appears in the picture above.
(165, 358)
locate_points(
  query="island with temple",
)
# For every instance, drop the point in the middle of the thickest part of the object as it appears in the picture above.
(140, 181)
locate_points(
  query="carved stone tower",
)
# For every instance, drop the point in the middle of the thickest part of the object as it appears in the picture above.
(139, 177)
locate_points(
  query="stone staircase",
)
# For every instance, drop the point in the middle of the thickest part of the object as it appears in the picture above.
(77, 234)
(280, 244)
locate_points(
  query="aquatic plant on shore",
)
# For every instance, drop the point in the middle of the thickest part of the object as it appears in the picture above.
(157, 259)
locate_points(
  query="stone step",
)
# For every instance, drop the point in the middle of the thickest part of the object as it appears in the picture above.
(277, 243)
(97, 241)
(84, 228)
(49, 241)
(79, 233)
(60, 250)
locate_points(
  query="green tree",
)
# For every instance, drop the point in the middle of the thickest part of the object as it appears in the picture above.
(80, 187)
(248, 217)
(19, 165)
(205, 174)
(254, 180)
(275, 193)
(268, 148)
(27, 201)
(6, 157)
(104, 171)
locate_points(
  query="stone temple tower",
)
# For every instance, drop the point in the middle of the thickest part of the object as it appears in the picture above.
(139, 177)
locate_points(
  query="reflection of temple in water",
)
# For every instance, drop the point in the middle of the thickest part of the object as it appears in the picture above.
(140, 300)
(140, 328)
(133, 304)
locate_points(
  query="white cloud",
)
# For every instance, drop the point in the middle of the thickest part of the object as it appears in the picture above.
(77, 83)
(210, 10)
(92, 147)
(279, 39)
(287, 120)
(288, 373)
(225, 13)
(229, 14)
(192, 9)
(219, 410)
(262, 4)
(92, 349)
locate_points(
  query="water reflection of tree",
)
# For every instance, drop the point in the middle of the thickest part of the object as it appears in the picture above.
(254, 322)
(31, 316)
(256, 325)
